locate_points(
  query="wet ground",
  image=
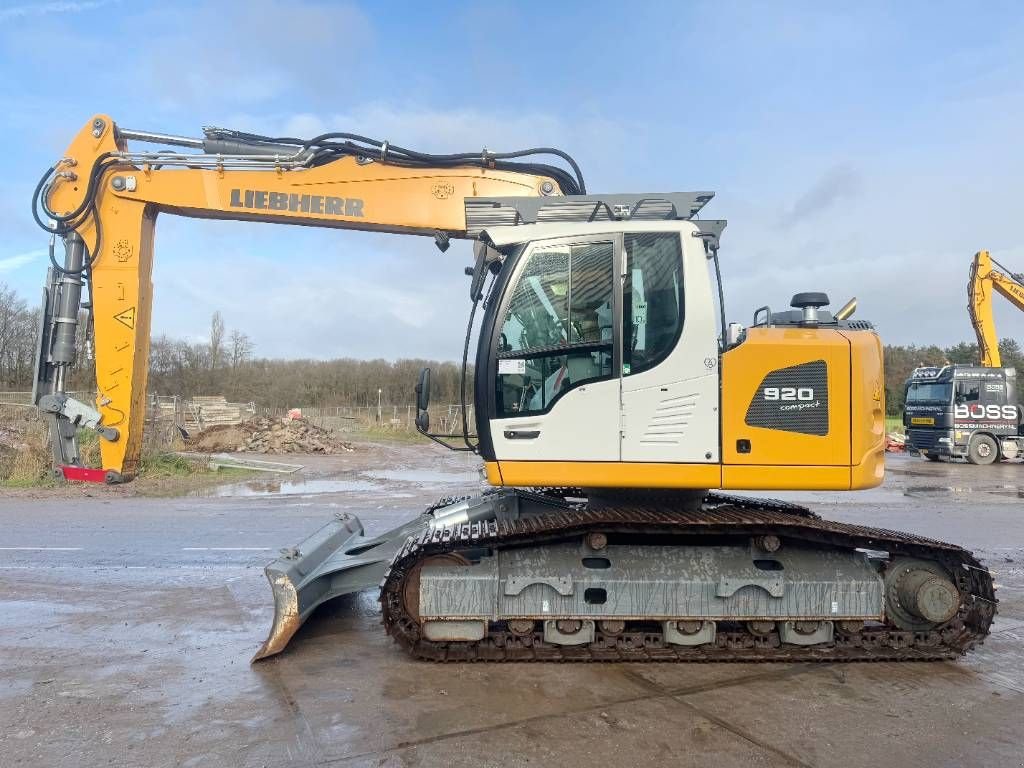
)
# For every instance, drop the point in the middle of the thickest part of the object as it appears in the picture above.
(126, 626)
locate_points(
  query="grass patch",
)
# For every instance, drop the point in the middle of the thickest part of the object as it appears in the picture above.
(154, 463)
(894, 424)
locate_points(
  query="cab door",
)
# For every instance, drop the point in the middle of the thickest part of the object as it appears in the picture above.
(556, 380)
(670, 375)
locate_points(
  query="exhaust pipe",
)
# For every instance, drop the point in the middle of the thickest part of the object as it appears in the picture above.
(847, 309)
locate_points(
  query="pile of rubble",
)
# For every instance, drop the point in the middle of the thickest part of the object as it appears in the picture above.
(267, 435)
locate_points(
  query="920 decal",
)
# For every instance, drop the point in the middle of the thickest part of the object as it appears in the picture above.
(789, 393)
(792, 399)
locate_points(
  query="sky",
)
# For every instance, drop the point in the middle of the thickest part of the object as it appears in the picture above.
(860, 149)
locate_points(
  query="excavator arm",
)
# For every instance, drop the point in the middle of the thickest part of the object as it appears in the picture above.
(985, 280)
(103, 198)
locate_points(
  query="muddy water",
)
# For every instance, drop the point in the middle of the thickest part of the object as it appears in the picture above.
(301, 486)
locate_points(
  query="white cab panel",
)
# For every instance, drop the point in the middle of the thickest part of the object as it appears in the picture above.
(582, 426)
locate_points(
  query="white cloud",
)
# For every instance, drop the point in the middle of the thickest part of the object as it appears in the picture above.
(11, 263)
(41, 9)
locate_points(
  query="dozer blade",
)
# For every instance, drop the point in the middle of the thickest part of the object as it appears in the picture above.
(336, 560)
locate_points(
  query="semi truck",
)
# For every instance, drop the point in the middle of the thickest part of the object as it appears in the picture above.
(964, 411)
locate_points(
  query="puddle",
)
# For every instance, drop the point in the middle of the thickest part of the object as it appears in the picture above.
(933, 491)
(286, 488)
(300, 487)
(422, 476)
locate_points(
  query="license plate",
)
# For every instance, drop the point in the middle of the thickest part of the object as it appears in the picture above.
(922, 420)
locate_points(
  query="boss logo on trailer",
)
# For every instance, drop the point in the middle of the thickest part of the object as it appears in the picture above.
(978, 411)
(793, 399)
(323, 205)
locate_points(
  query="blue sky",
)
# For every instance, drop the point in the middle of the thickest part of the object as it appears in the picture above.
(863, 149)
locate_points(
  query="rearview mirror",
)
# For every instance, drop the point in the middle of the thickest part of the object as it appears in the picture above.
(479, 271)
(484, 258)
(423, 390)
(423, 401)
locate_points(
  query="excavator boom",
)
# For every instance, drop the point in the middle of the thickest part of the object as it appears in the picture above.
(105, 197)
(985, 280)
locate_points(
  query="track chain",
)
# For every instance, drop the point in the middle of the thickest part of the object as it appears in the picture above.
(721, 515)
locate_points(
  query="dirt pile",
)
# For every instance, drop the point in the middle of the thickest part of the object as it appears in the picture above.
(266, 435)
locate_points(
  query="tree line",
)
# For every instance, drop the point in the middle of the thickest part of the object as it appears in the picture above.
(226, 364)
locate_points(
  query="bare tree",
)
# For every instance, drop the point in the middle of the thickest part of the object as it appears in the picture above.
(17, 338)
(241, 348)
(216, 340)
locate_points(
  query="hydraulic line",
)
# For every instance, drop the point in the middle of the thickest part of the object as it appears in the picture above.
(362, 146)
(325, 148)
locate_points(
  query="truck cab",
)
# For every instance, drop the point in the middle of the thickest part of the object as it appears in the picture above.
(964, 411)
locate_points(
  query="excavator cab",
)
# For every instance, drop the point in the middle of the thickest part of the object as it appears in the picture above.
(591, 328)
(601, 354)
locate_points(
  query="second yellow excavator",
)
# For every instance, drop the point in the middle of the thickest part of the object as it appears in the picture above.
(614, 405)
(989, 277)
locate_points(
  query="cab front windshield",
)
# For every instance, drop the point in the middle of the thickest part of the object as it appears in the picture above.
(929, 392)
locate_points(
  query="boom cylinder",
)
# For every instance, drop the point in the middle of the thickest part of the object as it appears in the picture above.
(65, 320)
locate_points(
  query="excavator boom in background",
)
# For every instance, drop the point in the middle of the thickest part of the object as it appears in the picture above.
(985, 281)
(614, 403)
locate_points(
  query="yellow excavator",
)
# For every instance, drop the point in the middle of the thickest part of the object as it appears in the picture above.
(985, 281)
(615, 405)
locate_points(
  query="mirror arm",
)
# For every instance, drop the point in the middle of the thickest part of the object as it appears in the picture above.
(438, 439)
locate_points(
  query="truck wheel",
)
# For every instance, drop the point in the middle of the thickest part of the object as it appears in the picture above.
(933, 457)
(982, 450)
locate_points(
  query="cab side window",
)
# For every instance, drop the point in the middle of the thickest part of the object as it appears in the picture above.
(652, 307)
(557, 331)
(968, 391)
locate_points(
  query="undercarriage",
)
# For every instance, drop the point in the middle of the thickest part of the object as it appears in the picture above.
(555, 575)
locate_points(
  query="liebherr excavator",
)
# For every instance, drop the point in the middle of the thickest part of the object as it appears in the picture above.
(615, 405)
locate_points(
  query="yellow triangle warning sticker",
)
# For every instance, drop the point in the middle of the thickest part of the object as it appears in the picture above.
(126, 318)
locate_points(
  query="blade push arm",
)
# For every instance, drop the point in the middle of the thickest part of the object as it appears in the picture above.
(984, 281)
(110, 197)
